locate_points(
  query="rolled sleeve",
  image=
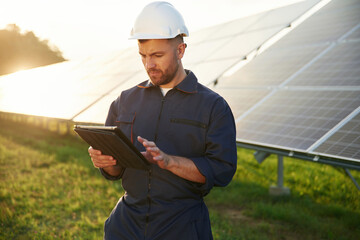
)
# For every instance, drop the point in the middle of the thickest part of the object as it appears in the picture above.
(110, 177)
(202, 163)
(220, 160)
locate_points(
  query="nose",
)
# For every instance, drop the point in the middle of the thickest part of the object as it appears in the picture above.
(149, 63)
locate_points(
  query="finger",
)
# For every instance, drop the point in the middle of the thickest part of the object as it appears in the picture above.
(102, 157)
(149, 144)
(98, 154)
(104, 164)
(103, 161)
(141, 139)
(145, 142)
(148, 156)
(153, 150)
(158, 158)
(93, 151)
(98, 160)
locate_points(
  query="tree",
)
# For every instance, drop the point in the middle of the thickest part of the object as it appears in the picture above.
(24, 51)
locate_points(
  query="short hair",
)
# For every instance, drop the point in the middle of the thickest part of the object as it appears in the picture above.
(179, 38)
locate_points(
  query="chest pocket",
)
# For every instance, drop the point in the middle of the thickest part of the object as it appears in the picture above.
(188, 122)
(190, 135)
(125, 122)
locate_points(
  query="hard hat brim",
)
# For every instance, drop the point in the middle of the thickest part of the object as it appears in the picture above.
(144, 36)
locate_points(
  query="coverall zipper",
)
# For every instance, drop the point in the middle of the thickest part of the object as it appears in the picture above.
(149, 204)
(157, 124)
(149, 185)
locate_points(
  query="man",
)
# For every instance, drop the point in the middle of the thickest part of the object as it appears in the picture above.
(184, 129)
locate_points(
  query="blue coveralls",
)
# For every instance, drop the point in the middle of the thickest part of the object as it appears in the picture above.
(190, 121)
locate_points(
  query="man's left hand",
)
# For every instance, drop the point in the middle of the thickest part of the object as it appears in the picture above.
(153, 154)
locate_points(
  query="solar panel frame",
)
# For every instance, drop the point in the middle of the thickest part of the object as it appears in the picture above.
(241, 100)
(344, 142)
(355, 35)
(272, 67)
(289, 118)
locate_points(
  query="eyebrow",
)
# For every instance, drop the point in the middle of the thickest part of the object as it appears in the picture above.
(154, 53)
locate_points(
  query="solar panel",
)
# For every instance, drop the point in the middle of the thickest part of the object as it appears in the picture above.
(97, 112)
(328, 24)
(198, 53)
(295, 119)
(355, 35)
(63, 90)
(276, 17)
(313, 79)
(234, 47)
(241, 100)
(238, 26)
(338, 67)
(203, 35)
(206, 72)
(271, 68)
(235, 39)
(345, 142)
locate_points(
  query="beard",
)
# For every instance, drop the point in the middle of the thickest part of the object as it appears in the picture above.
(161, 77)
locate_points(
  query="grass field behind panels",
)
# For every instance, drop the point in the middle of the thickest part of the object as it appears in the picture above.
(50, 190)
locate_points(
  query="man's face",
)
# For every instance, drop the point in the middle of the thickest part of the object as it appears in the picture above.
(160, 60)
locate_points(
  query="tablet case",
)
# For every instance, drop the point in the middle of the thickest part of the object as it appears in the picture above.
(112, 141)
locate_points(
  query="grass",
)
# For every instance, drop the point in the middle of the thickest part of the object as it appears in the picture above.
(50, 190)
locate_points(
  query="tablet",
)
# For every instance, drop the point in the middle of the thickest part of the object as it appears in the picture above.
(112, 141)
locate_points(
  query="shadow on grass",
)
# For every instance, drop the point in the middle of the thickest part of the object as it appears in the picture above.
(246, 210)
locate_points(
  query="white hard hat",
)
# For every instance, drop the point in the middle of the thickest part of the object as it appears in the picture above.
(159, 20)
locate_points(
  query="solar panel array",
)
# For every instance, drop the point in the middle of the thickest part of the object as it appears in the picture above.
(214, 50)
(307, 86)
(83, 91)
(302, 93)
(205, 52)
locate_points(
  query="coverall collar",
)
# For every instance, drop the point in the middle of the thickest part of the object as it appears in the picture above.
(188, 85)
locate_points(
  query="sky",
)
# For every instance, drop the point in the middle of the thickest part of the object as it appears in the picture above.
(82, 28)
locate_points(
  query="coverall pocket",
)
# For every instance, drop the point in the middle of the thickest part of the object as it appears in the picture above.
(191, 134)
(188, 122)
(126, 123)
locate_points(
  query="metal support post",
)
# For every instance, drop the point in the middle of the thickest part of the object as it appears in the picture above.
(352, 178)
(279, 190)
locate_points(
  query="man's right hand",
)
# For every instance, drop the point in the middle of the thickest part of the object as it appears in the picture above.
(99, 160)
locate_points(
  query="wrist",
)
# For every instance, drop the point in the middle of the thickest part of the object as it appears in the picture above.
(112, 170)
(112, 177)
(171, 162)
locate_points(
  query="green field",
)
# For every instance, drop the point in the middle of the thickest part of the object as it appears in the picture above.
(50, 190)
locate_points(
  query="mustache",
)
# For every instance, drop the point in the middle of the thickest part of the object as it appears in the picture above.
(154, 71)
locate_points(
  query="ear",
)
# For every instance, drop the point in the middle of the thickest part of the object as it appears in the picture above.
(181, 50)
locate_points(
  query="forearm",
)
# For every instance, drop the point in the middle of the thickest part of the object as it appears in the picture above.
(184, 168)
(180, 166)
